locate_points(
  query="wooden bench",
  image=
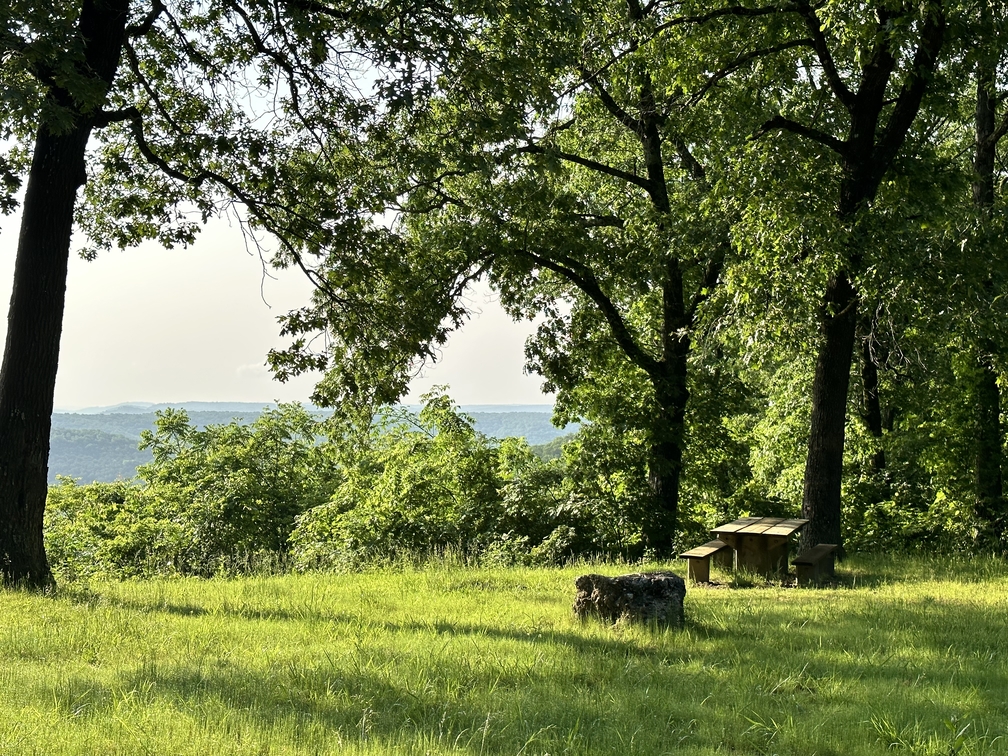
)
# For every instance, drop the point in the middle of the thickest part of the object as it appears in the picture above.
(699, 559)
(815, 564)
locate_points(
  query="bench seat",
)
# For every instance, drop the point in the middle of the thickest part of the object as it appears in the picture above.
(699, 558)
(816, 564)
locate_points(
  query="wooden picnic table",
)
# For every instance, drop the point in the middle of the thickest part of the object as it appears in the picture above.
(760, 543)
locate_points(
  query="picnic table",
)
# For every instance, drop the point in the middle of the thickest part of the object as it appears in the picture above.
(760, 543)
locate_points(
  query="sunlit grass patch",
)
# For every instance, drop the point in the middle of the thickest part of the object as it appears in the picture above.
(907, 655)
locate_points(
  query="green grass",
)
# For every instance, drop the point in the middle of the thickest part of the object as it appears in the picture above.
(908, 656)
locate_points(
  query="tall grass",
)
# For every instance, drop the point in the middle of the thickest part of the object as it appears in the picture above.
(907, 655)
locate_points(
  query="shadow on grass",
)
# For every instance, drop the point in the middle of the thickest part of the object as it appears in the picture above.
(185, 609)
(762, 666)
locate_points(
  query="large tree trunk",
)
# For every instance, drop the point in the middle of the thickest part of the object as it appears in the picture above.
(28, 376)
(666, 460)
(824, 465)
(35, 319)
(668, 429)
(987, 455)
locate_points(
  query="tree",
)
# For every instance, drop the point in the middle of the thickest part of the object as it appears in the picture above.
(990, 129)
(872, 71)
(75, 93)
(166, 113)
(565, 159)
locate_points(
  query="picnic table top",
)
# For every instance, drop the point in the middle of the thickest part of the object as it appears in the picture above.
(764, 526)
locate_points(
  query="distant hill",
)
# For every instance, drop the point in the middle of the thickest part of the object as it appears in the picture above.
(99, 443)
(536, 427)
(552, 449)
(131, 424)
(149, 408)
(92, 455)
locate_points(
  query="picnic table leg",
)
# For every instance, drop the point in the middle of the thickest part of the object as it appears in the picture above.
(753, 554)
(699, 569)
(729, 555)
(725, 559)
(777, 549)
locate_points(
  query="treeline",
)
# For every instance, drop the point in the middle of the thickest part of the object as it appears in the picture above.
(764, 243)
(103, 447)
(293, 491)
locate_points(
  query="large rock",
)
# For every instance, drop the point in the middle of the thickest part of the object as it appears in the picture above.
(641, 597)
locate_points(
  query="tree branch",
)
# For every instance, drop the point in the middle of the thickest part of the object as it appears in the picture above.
(152, 93)
(139, 30)
(736, 11)
(819, 44)
(690, 163)
(631, 178)
(280, 61)
(912, 92)
(780, 123)
(708, 282)
(1001, 130)
(135, 118)
(582, 276)
(741, 61)
(731, 11)
(614, 107)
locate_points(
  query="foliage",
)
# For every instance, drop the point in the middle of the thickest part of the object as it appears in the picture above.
(418, 486)
(222, 498)
(278, 492)
(111, 529)
(241, 486)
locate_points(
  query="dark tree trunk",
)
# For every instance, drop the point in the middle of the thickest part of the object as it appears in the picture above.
(988, 482)
(824, 465)
(871, 412)
(35, 319)
(668, 430)
(666, 458)
(668, 375)
(28, 376)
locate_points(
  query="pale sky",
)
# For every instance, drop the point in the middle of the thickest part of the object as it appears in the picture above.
(157, 325)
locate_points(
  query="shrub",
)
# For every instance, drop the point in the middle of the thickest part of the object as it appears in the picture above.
(224, 498)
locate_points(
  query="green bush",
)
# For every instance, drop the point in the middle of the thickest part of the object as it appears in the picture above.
(426, 484)
(110, 529)
(221, 499)
(238, 488)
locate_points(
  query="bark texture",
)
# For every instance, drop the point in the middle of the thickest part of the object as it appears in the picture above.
(35, 318)
(665, 464)
(824, 465)
(988, 449)
(988, 442)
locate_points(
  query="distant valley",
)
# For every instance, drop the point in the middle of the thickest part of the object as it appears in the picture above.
(100, 443)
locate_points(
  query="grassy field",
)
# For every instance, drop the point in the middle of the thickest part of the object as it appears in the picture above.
(911, 656)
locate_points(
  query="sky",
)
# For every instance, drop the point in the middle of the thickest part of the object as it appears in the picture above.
(156, 325)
